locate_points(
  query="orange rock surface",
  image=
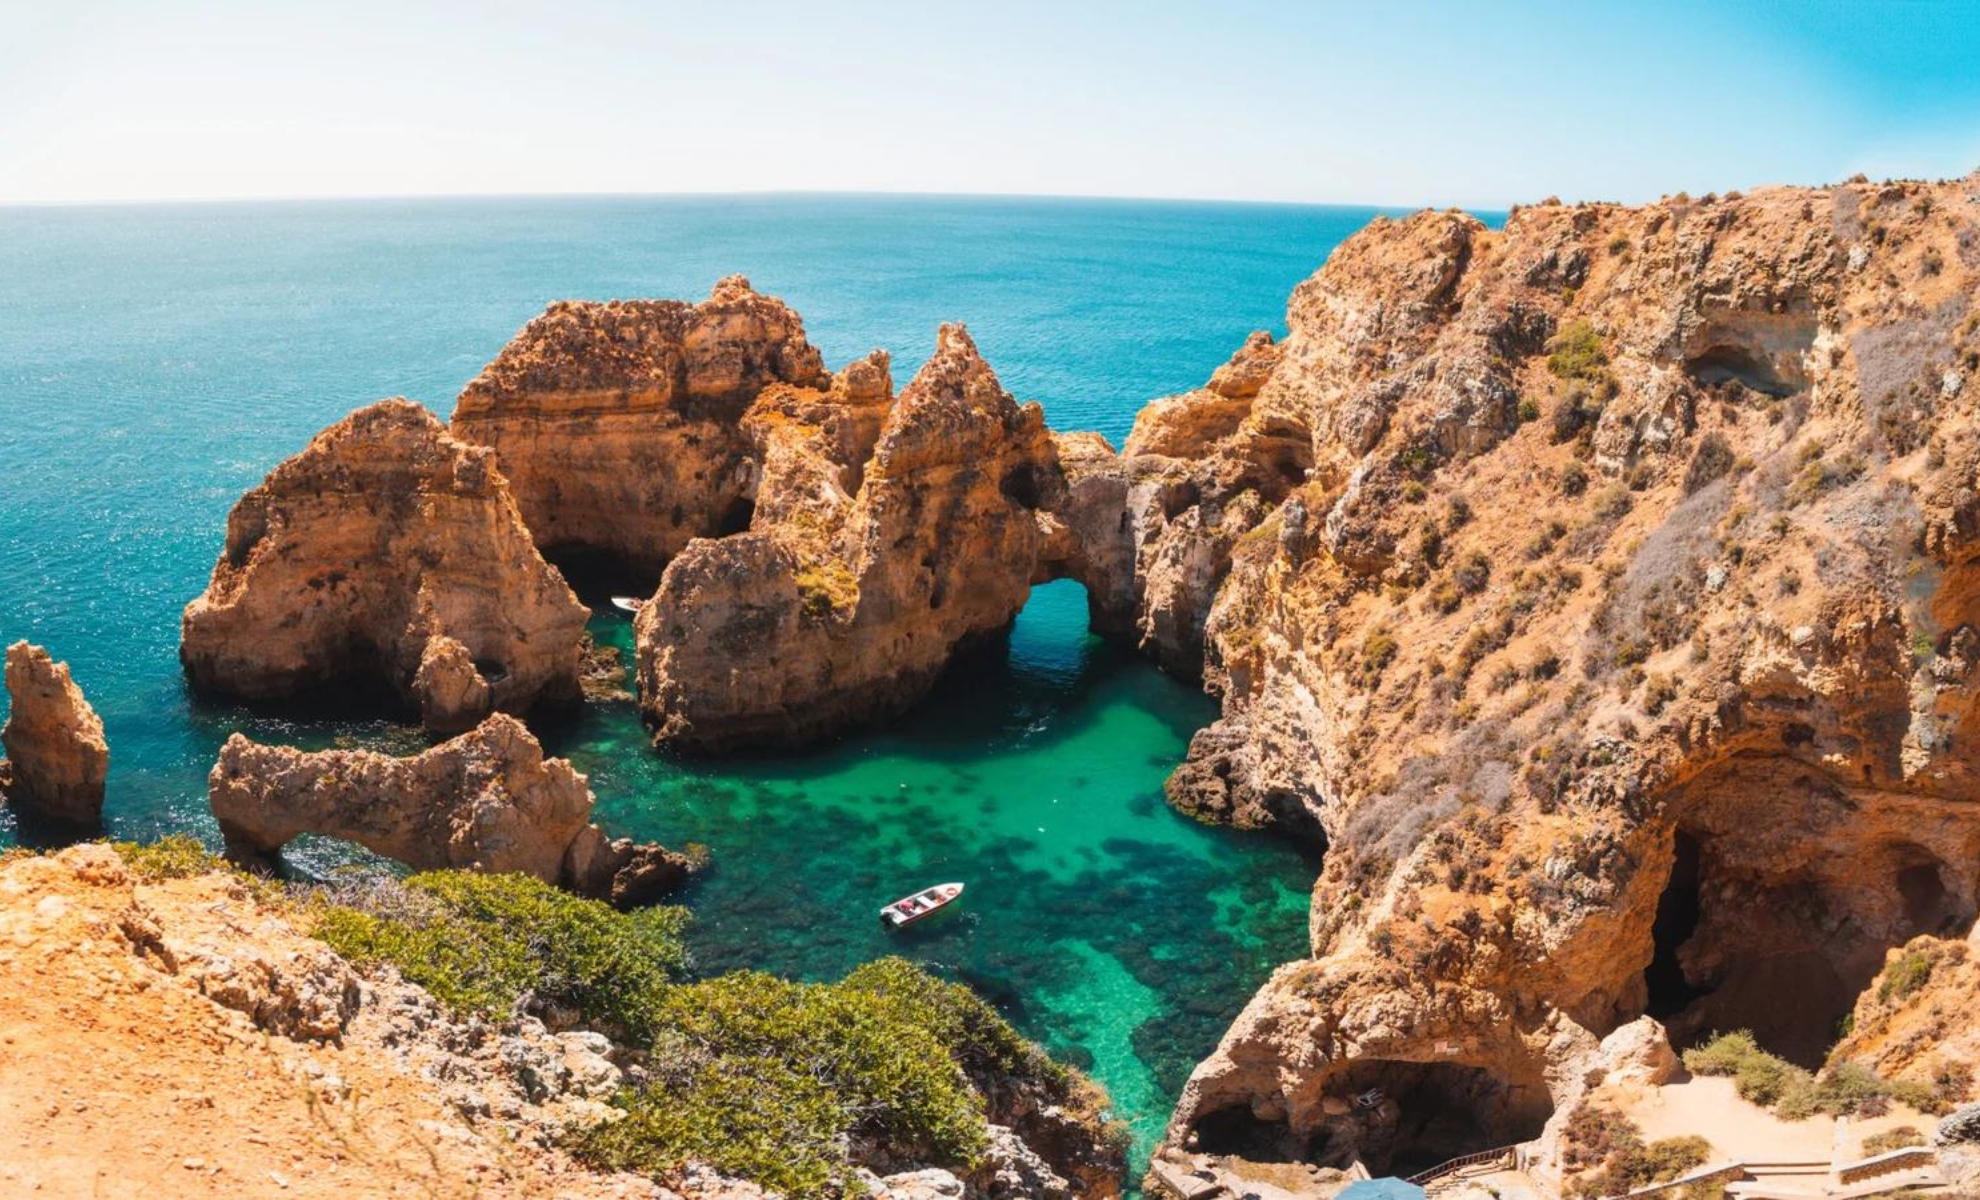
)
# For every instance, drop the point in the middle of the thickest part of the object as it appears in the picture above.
(387, 556)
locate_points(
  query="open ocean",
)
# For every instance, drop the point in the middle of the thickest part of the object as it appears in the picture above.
(157, 361)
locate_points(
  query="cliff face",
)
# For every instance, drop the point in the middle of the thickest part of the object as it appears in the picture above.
(1618, 640)
(618, 424)
(860, 577)
(56, 756)
(386, 554)
(486, 800)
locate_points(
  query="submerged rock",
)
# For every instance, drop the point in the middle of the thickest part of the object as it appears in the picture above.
(386, 553)
(57, 758)
(486, 800)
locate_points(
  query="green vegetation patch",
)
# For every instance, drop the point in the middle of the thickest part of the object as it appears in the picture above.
(1575, 352)
(1843, 1089)
(174, 856)
(768, 1079)
(757, 1076)
(481, 943)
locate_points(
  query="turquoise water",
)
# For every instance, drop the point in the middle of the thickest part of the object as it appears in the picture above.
(155, 362)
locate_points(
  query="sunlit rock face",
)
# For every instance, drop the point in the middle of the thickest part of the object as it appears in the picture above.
(1601, 590)
(56, 759)
(388, 559)
(487, 800)
(619, 424)
(854, 587)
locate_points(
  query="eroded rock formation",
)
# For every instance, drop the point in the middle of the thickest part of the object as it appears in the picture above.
(56, 756)
(386, 554)
(1601, 590)
(619, 424)
(861, 577)
(486, 800)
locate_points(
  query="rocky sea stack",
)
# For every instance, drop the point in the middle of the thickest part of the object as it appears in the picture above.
(387, 557)
(56, 759)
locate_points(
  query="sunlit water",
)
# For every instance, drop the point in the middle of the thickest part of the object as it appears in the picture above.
(156, 362)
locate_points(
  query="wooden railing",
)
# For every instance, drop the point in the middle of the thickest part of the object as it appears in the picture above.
(1502, 1157)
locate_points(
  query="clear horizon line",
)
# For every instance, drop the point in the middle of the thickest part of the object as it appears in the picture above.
(361, 197)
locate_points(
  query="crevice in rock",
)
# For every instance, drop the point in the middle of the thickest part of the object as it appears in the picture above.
(1677, 920)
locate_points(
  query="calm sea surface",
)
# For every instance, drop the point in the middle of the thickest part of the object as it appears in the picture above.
(155, 362)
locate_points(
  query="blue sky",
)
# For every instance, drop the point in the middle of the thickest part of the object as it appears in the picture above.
(1386, 101)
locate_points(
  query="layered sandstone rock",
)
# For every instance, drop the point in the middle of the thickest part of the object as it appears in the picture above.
(619, 424)
(56, 756)
(386, 554)
(862, 575)
(486, 800)
(1619, 641)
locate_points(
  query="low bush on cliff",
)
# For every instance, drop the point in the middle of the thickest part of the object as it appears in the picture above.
(480, 943)
(759, 1077)
(174, 856)
(1901, 1138)
(1599, 1137)
(773, 1080)
(1576, 353)
(1761, 1078)
(1844, 1088)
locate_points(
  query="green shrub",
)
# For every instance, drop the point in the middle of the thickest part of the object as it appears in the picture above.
(826, 587)
(1760, 1077)
(1575, 352)
(757, 1076)
(480, 943)
(769, 1079)
(1378, 650)
(1911, 972)
(174, 856)
(1839, 1091)
(1613, 502)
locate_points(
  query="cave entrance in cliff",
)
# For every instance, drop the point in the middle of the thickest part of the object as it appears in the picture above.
(596, 574)
(1410, 1116)
(1782, 945)
(1678, 911)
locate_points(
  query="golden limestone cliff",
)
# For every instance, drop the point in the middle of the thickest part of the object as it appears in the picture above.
(619, 424)
(1600, 590)
(1619, 643)
(857, 583)
(386, 557)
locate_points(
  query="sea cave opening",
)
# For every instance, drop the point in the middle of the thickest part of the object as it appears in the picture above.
(1744, 942)
(1394, 1117)
(1423, 1114)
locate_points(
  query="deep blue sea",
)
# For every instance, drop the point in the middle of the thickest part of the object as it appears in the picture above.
(156, 361)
